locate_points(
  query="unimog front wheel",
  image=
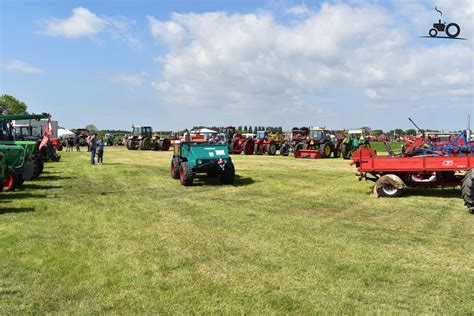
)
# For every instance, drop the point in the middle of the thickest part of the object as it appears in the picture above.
(175, 168)
(468, 190)
(185, 174)
(228, 176)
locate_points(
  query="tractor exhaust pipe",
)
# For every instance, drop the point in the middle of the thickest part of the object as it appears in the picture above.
(468, 130)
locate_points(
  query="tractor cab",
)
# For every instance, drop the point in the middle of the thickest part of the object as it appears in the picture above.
(320, 135)
(142, 131)
(262, 135)
(298, 134)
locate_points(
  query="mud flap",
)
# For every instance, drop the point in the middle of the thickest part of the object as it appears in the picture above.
(388, 179)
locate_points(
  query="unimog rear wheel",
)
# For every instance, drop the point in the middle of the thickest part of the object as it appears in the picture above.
(468, 190)
(271, 149)
(228, 176)
(175, 168)
(326, 150)
(185, 174)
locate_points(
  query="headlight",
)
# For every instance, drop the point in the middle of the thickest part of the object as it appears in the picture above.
(199, 162)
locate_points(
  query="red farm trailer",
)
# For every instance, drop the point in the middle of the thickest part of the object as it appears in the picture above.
(429, 165)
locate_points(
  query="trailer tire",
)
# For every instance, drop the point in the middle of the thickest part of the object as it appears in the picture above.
(271, 149)
(468, 190)
(389, 185)
(228, 176)
(175, 168)
(185, 174)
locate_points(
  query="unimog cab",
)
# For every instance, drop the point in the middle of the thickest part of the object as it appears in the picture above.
(199, 156)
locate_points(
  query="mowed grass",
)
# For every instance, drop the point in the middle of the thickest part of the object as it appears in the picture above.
(291, 236)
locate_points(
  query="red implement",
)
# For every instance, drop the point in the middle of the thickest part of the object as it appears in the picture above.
(306, 153)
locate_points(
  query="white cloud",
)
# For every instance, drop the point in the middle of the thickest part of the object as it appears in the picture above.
(253, 62)
(84, 23)
(81, 23)
(130, 80)
(21, 66)
(298, 10)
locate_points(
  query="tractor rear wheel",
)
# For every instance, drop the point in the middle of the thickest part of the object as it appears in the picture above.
(285, 150)
(18, 181)
(300, 146)
(468, 190)
(165, 144)
(326, 150)
(175, 168)
(185, 174)
(248, 147)
(9, 183)
(271, 149)
(228, 176)
(145, 144)
(131, 145)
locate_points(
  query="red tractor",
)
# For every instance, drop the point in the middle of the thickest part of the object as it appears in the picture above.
(297, 140)
(267, 143)
(237, 142)
(421, 163)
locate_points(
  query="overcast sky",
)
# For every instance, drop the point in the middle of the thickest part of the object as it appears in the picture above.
(176, 64)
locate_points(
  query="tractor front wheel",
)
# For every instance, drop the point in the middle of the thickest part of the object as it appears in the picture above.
(185, 174)
(285, 150)
(131, 145)
(145, 144)
(468, 190)
(9, 182)
(228, 176)
(175, 168)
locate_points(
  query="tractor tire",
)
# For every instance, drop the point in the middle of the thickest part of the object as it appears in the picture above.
(271, 149)
(165, 144)
(344, 149)
(258, 149)
(326, 150)
(248, 147)
(145, 144)
(468, 190)
(228, 176)
(185, 174)
(18, 181)
(336, 153)
(9, 182)
(131, 145)
(300, 146)
(285, 150)
(175, 168)
(386, 187)
(212, 174)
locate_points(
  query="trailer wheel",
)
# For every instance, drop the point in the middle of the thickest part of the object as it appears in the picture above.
(468, 190)
(271, 149)
(175, 168)
(389, 185)
(228, 176)
(248, 147)
(185, 174)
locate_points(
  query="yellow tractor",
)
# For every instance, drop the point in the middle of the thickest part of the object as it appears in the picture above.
(144, 139)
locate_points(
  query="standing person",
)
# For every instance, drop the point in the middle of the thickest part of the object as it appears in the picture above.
(78, 143)
(93, 147)
(100, 151)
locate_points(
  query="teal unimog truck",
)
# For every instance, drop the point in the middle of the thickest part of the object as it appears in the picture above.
(199, 156)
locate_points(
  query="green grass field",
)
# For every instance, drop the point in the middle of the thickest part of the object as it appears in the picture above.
(291, 236)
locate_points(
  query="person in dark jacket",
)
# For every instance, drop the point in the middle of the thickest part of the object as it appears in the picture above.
(100, 151)
(93, 147)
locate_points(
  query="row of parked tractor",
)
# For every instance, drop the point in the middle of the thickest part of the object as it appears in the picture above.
(303, 142)
(22, 155)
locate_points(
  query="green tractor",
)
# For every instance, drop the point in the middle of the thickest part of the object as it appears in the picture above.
(192, 157)
(15, 166)
(143, 138)
(352, 142)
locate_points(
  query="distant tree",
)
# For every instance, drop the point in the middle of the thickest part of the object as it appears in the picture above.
(255, 129)
(411, 131)
(250, 130)
(246, 129)
(377, 132)
(239, 128)
(398, 131)
(280, 130)
(11, 105)
(91, 127)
